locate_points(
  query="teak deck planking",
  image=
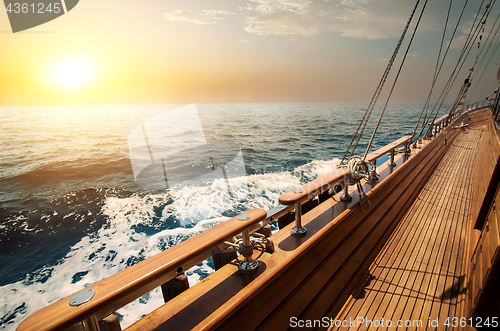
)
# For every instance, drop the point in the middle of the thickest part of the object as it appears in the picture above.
(312, 276)
(427, 200)
(418, 274)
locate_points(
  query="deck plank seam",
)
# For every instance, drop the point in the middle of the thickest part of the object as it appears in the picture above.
(380, 266)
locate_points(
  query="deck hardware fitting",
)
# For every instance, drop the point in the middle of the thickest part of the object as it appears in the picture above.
(392, 163)
(298, 191)
(362, 197)
(243, 217)
(245, 248)
(298, 230)
(407, 150)
(345, 196)
(338, 187)
(91, 324)
(373, 172)
(81, 297)
(255, 238)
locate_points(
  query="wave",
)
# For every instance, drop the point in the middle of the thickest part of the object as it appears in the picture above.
(114, 229)
(66, 227)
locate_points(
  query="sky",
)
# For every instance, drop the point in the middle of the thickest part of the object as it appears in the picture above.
(203, 51)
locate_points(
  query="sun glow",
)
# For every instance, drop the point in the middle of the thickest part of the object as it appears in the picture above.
(72, 74)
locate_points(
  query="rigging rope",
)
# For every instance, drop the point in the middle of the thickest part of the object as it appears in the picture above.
(486, 53)
(395, 80)
(378, 90)
(447, 88)
(468, 45)
(453, 77)
(479, 30)
(438, 71)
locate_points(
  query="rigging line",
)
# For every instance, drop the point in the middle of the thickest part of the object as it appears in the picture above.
(426, 118)
(378, 90)
(485, 55)
(484, 49)
(487, 39)
(466, 48)
(452, 79)
(371, 106)
(487, 65)
(436, 70)
(395, 81)
(467, 45)
(382, 82)
(462, 91)
(469, 36)
(477, 31)
(487, 13)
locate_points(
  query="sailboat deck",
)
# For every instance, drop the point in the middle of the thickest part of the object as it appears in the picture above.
(417, 277)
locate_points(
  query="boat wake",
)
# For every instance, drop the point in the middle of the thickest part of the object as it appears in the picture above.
(128, 228)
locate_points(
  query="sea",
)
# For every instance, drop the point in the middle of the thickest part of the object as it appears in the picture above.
(73, 211)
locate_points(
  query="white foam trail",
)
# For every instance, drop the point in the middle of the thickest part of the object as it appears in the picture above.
(119, 244)
(316, 168)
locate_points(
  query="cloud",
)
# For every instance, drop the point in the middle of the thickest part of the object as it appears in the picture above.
(457, 43)
(371, 19)
(414, 54)
(244, 41)
(209, 16)
(365, 19)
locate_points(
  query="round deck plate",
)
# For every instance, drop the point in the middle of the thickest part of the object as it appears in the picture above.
(243, 217)
(81, 297)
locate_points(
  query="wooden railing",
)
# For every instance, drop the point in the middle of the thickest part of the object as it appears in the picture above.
(479, 104)
(126, 286)
(122, 288)
(441, 123)
(310, 190)
(390, 148)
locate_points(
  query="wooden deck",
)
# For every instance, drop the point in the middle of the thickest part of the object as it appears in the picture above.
(418, 276)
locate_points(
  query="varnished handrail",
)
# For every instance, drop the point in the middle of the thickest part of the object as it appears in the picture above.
(308, 191)
(122, 288)
(442, 118)
(387, 148)
(483, 104)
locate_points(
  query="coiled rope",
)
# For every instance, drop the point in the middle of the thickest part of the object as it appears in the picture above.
(357, 167)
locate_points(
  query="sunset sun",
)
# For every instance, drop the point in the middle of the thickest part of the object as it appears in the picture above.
(73, 73)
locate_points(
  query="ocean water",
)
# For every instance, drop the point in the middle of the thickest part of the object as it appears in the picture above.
(72, 214)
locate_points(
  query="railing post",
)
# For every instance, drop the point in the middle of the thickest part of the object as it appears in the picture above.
(298, 229)
(345, 196)
(246, 249)
(110, 323)
(393, 164)
(405, 153)
(91, 324)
